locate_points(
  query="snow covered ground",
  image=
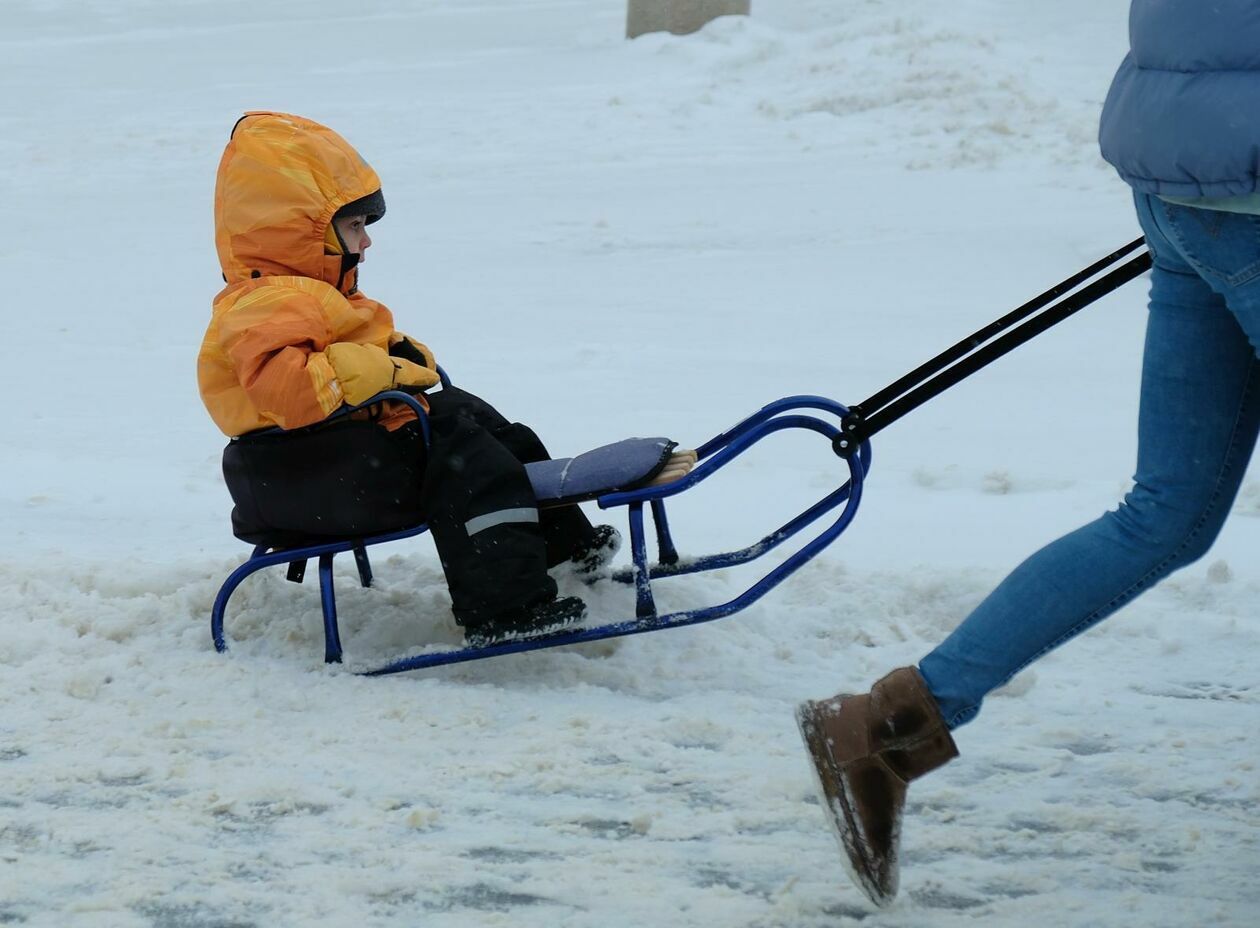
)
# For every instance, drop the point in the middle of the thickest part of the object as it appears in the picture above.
(606, 238)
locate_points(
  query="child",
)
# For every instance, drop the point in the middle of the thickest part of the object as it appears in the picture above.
(291, 340)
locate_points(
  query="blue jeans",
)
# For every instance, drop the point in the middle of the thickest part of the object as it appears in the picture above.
(1197, 424)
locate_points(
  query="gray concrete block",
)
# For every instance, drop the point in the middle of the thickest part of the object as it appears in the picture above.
(678, 16)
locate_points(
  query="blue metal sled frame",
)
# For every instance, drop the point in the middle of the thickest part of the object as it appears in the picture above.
(712, 456)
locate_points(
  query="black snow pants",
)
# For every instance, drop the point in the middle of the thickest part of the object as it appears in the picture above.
(352, 478)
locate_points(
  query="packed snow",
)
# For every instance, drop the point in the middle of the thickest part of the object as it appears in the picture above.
(605, 238)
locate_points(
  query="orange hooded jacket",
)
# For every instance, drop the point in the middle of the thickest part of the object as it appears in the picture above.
(290, 337)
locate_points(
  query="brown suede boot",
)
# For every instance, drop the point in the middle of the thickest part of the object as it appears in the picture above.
(864, 750)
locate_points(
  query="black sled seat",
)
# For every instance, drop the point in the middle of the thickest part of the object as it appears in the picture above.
(612, 476)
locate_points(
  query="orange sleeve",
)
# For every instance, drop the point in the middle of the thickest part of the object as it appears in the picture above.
(274, 340)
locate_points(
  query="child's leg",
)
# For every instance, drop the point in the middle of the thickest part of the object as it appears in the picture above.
(484, 518)
(452, 401)
(566, 529)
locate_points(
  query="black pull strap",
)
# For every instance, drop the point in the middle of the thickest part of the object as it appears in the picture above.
(984, 346)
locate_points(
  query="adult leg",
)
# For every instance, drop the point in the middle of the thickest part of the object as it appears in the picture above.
(1197, 426)
(1200, 406)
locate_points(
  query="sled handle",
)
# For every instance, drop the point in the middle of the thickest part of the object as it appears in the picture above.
(986, 346)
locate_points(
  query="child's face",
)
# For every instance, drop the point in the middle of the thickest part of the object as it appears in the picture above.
(353, 231)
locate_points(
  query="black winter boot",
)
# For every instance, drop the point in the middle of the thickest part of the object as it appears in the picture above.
(527, 622)
(595, 554)
(864, 750)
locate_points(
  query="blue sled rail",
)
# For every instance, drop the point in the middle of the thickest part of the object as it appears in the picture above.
(712, 456)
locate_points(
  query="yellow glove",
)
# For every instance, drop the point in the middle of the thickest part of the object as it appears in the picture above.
(365, 370)
(362, 370)
(410, 374)
(404, 346)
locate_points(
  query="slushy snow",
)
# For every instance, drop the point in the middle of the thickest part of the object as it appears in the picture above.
(605, 238)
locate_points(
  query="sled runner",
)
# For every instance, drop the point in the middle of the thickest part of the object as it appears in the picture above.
(612, 476)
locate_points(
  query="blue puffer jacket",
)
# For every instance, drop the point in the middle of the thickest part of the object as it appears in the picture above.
(1183, 114)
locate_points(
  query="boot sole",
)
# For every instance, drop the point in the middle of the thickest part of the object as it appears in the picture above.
(545, 631)
(836, 803)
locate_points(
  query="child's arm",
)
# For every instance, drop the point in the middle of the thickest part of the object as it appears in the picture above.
(404, 346)
(278, 344)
